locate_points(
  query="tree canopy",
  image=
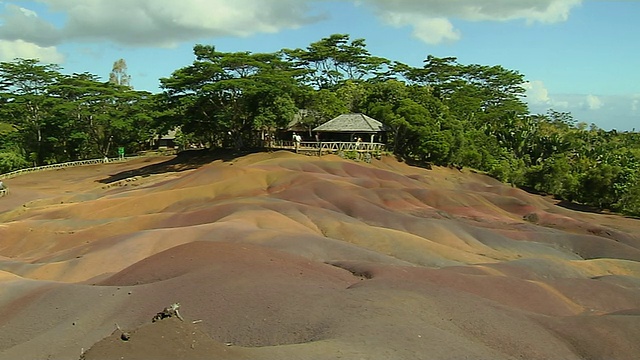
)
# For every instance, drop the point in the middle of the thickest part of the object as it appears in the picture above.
(442, 113)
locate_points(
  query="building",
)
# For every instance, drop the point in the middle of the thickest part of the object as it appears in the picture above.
(351, 127)
(167, 141)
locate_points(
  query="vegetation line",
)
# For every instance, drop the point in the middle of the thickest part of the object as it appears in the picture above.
(442, 113)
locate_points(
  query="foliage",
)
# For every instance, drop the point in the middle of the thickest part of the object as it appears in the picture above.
(227, 97)
(51, 117)
(327, 63)
(442, 113)
(26, 103)
(10, 161)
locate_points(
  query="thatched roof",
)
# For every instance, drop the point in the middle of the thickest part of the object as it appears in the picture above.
(352, 123)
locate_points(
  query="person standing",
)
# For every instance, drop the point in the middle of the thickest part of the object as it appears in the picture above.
(297, 139)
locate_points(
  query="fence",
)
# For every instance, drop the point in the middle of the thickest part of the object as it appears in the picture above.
(325, 147)
(12, 174)
(328, 147)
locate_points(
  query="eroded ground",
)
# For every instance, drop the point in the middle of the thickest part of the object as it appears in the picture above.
(284, 256)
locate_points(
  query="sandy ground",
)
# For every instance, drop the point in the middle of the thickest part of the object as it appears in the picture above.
(285, 256)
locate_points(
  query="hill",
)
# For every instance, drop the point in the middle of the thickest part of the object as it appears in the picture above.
(285, 256)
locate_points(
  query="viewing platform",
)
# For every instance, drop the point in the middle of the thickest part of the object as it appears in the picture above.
(343, 149)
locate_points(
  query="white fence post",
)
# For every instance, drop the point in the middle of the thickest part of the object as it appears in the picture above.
(58, 166)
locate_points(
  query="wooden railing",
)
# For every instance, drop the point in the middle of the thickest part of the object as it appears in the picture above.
(58, 166)
(327, 147)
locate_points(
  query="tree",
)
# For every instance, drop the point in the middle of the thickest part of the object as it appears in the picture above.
(440, 74)
(100, 115)
(27, 104)
(321, 106)
(118, 75)
(229, 96)
(335, 59)
(422, 128)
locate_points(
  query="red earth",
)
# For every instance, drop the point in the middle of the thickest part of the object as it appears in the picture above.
(286, 256)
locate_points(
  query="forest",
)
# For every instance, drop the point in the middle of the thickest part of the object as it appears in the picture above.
(443, 113)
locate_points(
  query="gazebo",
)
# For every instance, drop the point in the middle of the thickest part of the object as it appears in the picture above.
(352, 133)
(351, 127)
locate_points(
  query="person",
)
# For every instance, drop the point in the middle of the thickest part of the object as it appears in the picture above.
(269, 140)
(2, 186)
(296, 141)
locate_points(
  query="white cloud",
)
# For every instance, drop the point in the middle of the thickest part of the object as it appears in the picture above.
(10, 50)
(153, 22)
(429, 30)
(536, 92)
(430, 18)
(18, 23)
(168, 22)
(546, 11)
(593, 102)
(27, 12)
(606, 111)
(539, 100)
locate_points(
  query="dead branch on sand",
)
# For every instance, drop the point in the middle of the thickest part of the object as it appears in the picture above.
(169, 311)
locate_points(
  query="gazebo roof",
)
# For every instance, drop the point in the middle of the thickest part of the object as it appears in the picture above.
(352, 123)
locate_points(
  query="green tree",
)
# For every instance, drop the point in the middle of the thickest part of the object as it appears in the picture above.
(100, 115)
(335, 59)
(229, 96)
(320, 106)
(26, 103)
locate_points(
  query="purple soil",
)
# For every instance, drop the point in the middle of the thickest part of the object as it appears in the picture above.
(286, 256)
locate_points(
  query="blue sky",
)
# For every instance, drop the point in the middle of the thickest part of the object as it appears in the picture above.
(579, 56)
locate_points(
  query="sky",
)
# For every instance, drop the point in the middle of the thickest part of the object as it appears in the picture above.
(577, 56)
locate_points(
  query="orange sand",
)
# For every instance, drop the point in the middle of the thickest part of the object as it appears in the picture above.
(285, 256)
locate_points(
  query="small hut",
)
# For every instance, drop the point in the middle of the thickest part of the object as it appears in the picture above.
(166, 141)
(351, 127)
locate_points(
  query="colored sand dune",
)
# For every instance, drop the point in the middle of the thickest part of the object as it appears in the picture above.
(285, 256)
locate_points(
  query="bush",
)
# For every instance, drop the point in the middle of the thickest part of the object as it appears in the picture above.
(10, 161)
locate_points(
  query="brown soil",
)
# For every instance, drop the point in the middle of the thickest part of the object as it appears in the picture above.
(285, 256)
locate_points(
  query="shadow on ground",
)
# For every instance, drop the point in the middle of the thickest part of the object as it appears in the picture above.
(185, 160)
(579, 207)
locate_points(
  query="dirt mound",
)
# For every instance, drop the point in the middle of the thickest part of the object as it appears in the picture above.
(278, 255)
(167, 339)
